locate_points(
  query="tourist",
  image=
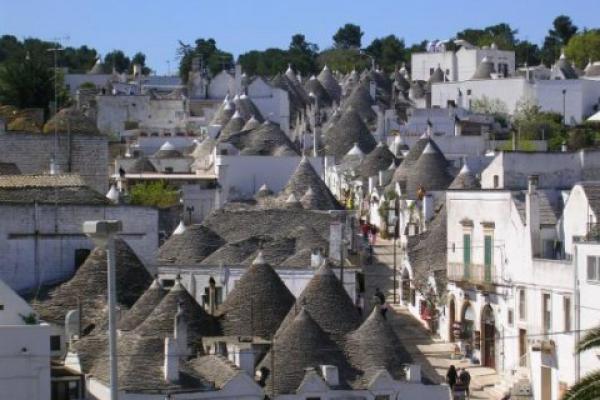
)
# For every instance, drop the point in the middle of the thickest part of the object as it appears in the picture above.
(465, 379)
(360, 304)
(451, 377)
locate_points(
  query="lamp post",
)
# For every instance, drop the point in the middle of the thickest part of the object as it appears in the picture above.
(564, 93)
(395, 223)
(190, 210)
(103, 234)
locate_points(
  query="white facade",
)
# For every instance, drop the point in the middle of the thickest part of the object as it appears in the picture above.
(40, 244)
(24, 350)
(577, 102)
(272, 102)
(461, 65)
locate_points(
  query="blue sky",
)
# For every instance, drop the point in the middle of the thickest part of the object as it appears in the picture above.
(155, 26)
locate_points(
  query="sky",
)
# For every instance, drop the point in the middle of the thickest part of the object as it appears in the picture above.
(155, 26)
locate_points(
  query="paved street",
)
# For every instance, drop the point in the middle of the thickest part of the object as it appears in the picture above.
(434, 355)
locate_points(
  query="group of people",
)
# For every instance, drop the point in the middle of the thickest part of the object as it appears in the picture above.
(458, 380)
(369, 232)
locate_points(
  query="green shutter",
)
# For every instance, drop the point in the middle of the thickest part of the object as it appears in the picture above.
(467, 254)
(488, 258)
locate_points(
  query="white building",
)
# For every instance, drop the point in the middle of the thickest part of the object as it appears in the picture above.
(461, 65)
(24, 350)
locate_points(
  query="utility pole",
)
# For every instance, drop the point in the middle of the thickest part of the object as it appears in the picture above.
(55, 50)
(103, 234)
(564, 93)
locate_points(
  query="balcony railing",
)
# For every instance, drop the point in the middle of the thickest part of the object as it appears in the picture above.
(473, 273)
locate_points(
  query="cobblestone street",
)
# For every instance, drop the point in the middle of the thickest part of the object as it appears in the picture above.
(434, 355)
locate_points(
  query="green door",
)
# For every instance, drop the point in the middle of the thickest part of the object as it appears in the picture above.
(467, 255)
(488, 258)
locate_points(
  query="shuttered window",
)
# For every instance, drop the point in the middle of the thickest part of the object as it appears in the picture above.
(467, 253)
(487, 257)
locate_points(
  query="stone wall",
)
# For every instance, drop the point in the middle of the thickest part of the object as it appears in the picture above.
(86, 155)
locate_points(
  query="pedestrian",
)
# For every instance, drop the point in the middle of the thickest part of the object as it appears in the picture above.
(451, 377)
(465, 379)
(364, 228)
(360, 304)
(373, 234)
(380, 298)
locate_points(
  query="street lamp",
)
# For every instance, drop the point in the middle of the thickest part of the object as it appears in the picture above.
(395, 223)
(190, 210)
(564, 93)
(103, 234)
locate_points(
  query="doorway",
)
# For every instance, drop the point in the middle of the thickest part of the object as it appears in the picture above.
(522, 347)
(488, 337)
(451, 320)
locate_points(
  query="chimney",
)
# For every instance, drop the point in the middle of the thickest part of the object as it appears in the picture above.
(532, 207)
(427, 207)
(372, 183)
(54, 169)
(212, 293)
(330, 375)
(413, 373)
(171, 366)
(457, 126)
(563, 147)
(372, 89)
(181, 332)
(137, 70)
(316, 258)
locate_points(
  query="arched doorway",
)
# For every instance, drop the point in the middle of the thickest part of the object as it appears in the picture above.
(405, 286)
(451, 319)
(467, 328)
(488, 337)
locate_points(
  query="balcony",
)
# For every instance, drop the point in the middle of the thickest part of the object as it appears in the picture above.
(477, 274)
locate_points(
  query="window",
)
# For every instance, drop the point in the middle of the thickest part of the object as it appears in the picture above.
(80, 256)
(496, 181)
(567, 313)
(467, 253)
(547, 312)
(55, 343)
(487, 257)
(431, 71)
(468, 92)
(382, 397)
(1, 307)
(522, 305)
(510, 318)
(167, 283)
(593, 269)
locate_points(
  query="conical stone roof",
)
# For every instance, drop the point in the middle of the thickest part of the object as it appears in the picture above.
(266, 140)
(465, 180)
(302, 344)
(330, 84)
(140, 165)
(378, 160)
(88, 287)
(316, 88)
(342, 135)
(305, 177)
(224, 113)
(161, 321)
(71, 120)
(252, 123)
(247, 109)
(190, 247)
(437, 76)
(405, 168)
(328, 303)
(142, 307)
(257, 304)
(360, 101)
(430, 171)
(235, 124)
(374, 346)
(484, 70)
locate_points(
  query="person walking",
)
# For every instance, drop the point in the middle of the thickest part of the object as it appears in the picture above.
(465, 379)
(451, 377)
(360, 304)
(373, 234)
(380, 297)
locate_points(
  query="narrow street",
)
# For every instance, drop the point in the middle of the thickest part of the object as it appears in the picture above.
(433, 354)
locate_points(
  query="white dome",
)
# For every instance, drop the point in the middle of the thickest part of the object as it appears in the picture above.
(355, 151)
(167, 146)
(180, 229)
(113, 194)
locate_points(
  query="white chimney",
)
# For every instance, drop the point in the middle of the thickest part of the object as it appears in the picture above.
(171, 365)
(316, 258)
(457, 127)
(330, 375)
(372, 183)
(413, 373)
(427, 207)
(532, 207)
(54, 169)
(372, 89)
(180, 332)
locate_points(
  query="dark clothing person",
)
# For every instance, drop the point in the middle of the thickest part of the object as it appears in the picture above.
(465, 379)
(379, 296)
(451, 377)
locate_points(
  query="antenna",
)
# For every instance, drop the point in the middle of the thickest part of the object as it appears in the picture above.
(55, 50)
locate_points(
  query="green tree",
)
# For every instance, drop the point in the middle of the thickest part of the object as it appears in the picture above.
(139, 58)
(117, 60)
(584, 47)
(303, 55)
(527, 52)
(265, 63)
(29, 83)
(343, 60)
(210, 55)
(154, 194)
(80, 59)
(588, 388)
(500, 34)
(388, 52)
(530, 123)
(558, 37)
(348, 36)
